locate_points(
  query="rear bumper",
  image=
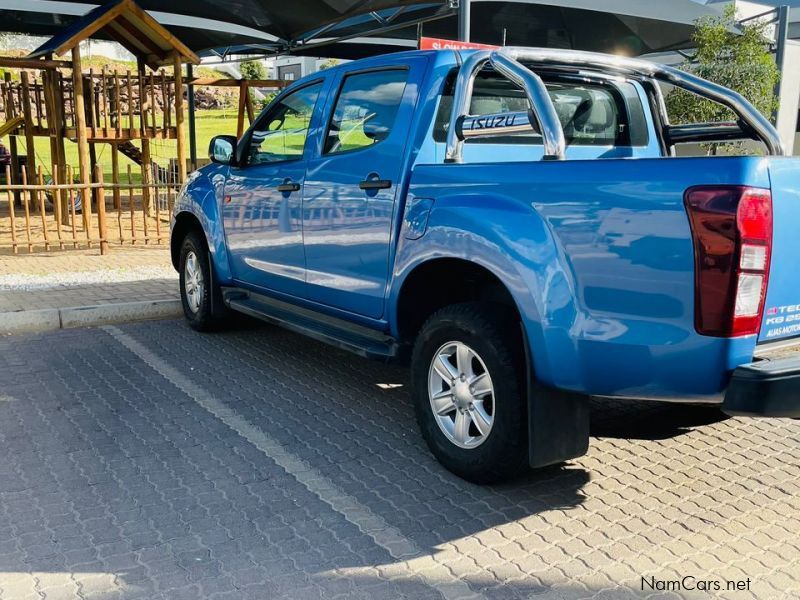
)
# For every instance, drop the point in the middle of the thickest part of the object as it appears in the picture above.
(765, 388)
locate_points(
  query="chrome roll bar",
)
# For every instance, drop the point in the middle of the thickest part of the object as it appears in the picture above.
(542, 106)
(462, 97)
(508, 61)
(543, 112)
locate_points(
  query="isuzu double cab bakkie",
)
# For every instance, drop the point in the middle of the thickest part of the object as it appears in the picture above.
(516, 225)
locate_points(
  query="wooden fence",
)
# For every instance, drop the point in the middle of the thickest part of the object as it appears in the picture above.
(41, 214)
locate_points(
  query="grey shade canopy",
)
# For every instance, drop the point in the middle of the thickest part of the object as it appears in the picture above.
(356, 28)
(204, 24)
(631, 27)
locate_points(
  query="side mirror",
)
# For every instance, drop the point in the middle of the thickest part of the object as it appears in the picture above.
(222, 149)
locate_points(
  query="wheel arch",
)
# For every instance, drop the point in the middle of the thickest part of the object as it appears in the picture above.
(441, 281)
(198, 208)
(185, 222)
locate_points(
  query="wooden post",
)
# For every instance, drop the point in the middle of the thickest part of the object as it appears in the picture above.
(27, 206)
(91, 103)
(130, 206)
(54, 108)
(11, 112)
(58, 217)
(11, 213)
(165, 110)
(144, 135)
(192, 118)
(179, 132)
(147, 175)
(30, 149)
(91, 124)
(117, 120)
(93, 162)
(152, 104)
(104, 97)
(40, 197)
(60, 124)
(251, 115)
(83, 144)
(72, 193)
(242, 105)
(144, 101)
(115, 174)
(130, 102)
(101, 211)
(37, 95)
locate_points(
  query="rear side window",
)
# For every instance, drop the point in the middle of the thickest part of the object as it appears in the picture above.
(365, 110)
(590, 114)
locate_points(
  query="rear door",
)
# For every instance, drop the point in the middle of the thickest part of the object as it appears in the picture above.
(352, 185)
(782, 307)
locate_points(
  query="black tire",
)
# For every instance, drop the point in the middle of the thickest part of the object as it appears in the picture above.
(211, 313)
(498, 342)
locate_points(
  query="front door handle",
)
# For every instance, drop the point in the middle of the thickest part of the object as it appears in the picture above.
(374, 182)
(289, 186)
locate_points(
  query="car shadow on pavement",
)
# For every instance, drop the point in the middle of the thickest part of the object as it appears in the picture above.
(394, 475)
(641, 420)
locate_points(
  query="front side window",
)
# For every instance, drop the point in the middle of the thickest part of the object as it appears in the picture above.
(281, 134)
(365, 110)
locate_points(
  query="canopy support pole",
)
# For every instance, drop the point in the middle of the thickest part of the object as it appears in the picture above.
(781, 35)
(463, 20)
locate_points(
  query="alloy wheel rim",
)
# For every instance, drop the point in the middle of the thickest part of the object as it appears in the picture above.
(193, 282)
(461, 395)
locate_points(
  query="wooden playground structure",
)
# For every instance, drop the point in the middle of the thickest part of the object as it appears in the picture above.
(124, 112)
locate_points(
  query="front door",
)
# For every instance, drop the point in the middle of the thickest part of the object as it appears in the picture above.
(263, 197)
(350, 188)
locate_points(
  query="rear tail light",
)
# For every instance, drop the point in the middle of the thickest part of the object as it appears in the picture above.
(732, 233)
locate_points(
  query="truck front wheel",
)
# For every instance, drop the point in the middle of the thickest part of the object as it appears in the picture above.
(200, 294)
(469, 393)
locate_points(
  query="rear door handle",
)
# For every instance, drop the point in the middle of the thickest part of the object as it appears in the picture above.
(372, 182)
(289, 186)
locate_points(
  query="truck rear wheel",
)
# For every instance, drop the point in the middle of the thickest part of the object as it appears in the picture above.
(469, 393)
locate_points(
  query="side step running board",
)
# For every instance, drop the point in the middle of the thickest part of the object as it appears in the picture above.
(336, 332)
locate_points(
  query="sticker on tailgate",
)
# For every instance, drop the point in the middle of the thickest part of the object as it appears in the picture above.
(782, 321)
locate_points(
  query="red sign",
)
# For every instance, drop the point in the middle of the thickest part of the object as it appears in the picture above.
(427, 43)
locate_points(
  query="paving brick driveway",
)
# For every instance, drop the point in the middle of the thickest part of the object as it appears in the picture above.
(148, 461)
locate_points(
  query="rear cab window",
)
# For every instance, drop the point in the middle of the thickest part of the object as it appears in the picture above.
(604, 116)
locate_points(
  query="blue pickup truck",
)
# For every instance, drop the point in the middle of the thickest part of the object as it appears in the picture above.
(514, 224)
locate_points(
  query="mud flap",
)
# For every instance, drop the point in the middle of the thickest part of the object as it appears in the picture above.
(218, 308)
(558, 425)
(558, 421)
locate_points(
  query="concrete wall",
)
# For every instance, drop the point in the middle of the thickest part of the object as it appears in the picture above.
(790, 97)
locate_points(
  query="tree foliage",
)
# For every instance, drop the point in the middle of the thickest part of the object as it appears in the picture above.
(327, 64)
(253, 69)
(740, 61)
